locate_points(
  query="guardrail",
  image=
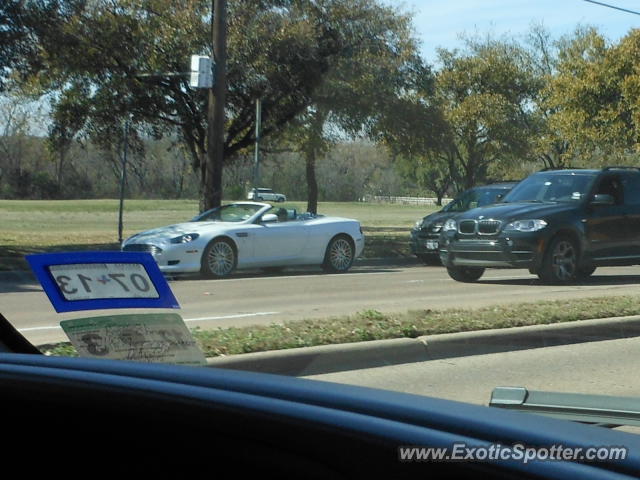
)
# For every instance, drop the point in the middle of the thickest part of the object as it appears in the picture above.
(404, 200)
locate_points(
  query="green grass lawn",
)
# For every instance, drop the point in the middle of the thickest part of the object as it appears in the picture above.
(28, 226)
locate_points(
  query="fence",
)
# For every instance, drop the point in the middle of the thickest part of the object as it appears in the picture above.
(404, 200)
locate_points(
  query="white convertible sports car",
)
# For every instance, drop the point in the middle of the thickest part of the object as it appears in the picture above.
(251, 235)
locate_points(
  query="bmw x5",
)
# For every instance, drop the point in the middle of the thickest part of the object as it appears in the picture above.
(561, 225)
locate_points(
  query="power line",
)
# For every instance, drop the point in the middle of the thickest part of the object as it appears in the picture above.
(613, 6)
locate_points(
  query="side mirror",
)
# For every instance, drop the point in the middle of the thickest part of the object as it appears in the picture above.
(602, 199)
(269, 218)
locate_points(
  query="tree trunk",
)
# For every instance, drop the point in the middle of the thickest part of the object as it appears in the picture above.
(313, 146)
(312, 182)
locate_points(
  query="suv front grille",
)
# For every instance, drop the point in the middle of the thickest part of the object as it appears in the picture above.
(488, 227)
(481, 227)
(142, 247)
(467, 227)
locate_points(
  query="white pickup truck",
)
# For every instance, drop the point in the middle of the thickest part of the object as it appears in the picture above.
(260, 194)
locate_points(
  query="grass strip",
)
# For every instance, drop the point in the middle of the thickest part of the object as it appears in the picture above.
(374, 325)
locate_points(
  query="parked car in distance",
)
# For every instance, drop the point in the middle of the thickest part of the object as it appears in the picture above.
(559, 224)
(426, 232)
(251, 235)
(261, 194)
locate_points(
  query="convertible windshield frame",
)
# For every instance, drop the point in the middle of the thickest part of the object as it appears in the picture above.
(553, 187)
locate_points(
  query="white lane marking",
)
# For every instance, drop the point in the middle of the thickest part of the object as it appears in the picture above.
(280, 277)
(239, 315)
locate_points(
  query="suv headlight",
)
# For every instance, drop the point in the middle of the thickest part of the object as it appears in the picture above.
(418, 225)
(526, 225)
(450, 225)
(186, 238)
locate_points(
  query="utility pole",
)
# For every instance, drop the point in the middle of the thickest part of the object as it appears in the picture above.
(123, 177)
(256, 158)
(215, 109)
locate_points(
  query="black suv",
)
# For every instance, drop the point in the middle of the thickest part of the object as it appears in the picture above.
(426, 232)
(559, 224)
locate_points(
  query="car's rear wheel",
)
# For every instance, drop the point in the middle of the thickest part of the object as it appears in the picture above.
(219, 259)
(465, 274)
(560, 263)
(339, 255)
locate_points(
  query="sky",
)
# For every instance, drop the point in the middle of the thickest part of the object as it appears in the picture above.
(438, 23)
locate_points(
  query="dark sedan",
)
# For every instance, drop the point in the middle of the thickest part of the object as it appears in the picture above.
(425, 234)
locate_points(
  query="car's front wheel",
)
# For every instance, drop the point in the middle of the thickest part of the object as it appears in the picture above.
(219, 259)
(585, 272)
(465, 274)
(339, 255)
(560, 263)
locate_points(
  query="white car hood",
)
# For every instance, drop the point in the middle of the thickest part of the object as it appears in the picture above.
(163, 234)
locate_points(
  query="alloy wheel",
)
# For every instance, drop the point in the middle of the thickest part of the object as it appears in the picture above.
(221, 259)
(563, 260)
(341, 254)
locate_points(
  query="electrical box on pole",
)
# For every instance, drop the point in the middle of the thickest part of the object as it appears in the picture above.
(201, 72)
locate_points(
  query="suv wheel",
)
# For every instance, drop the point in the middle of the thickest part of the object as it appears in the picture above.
(429, 259)
(585, 272)
(465, 274)
(560, 264)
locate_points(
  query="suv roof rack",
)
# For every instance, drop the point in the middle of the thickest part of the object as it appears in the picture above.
(620, 168)
(568, 167)
(497, 182)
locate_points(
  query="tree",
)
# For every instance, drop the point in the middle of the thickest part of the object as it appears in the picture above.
(596, 96)
(418, 137)
(485, 95)
(278, 51)
(549, 145)
(14, 41)
(364, 83)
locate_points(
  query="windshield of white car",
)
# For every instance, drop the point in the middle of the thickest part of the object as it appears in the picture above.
(237, 212)
(552, 187)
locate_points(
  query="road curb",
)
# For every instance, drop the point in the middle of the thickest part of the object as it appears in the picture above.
(326, 358)
(482, 342)
(361, 355)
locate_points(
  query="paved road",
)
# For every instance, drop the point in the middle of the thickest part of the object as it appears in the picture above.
(603, 368)
(258, 298)
(600, 368)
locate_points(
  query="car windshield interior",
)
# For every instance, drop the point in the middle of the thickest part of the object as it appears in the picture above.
(229, 213)
(571, 187)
